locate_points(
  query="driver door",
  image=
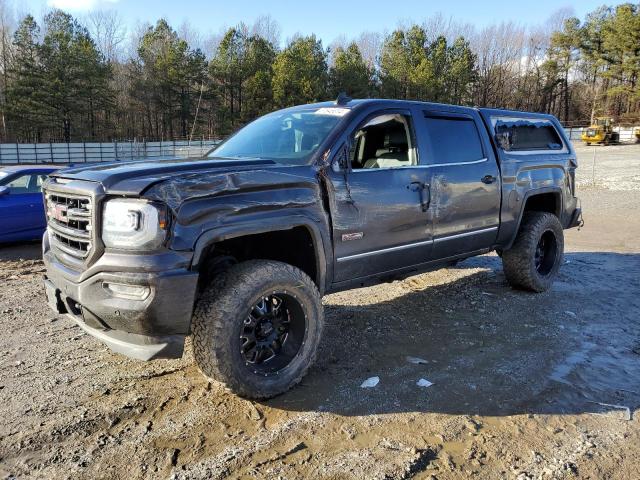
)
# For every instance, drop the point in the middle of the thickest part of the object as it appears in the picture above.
(380, 200)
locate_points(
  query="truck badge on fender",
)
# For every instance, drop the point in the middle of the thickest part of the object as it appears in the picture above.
(346, 237)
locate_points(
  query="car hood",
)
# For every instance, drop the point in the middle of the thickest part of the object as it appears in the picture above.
(134, 177)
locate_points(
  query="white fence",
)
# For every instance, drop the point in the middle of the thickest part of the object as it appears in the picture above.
(86, 152)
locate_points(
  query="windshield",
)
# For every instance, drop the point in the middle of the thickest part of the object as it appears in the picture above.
(286, 137)
(3, 176)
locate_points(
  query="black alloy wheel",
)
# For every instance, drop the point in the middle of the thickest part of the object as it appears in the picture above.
(273, 333)
(546, 253)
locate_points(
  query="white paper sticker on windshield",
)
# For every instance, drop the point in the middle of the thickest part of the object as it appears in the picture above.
(335, 111)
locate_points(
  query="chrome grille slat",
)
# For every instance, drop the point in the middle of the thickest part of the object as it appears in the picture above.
(69, 232)
(70, 220)
(78, 213)
(74, 252)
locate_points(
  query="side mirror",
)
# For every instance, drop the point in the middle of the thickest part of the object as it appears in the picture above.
(4, 191)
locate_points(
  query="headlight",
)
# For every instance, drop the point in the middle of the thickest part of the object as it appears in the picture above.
(133, 224)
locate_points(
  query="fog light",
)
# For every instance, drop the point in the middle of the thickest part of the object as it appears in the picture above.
(131, 292)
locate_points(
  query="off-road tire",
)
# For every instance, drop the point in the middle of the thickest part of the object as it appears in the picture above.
(218, 318)
(519, 261)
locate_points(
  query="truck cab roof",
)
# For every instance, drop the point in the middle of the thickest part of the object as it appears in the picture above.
(393, 103)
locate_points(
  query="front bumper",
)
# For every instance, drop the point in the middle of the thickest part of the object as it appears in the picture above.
(151, 325)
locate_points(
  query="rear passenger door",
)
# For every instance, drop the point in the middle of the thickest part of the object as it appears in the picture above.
(464, 180)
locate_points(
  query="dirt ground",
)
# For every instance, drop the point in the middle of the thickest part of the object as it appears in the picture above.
(525, 386)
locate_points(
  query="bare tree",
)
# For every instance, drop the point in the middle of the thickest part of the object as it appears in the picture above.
(192, 36)
(370, 45)
(108, 31)
(556, 20)
(341, 42)
(132, 40)
(268, 28)
(500, 51)
(212, 41)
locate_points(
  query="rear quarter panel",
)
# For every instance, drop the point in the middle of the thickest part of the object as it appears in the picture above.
(525, 174)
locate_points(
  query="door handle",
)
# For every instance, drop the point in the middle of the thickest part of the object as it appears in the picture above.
(420, 187)
(488, 179)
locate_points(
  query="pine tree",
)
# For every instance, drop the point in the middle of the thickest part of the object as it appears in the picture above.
(350, 73)
(395, 66)
(242, 72)
(622, 50)
(300, 73)
(168, 75)
(25, 92)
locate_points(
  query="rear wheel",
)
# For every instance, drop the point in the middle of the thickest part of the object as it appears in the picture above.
(257, 327)
(534, 259)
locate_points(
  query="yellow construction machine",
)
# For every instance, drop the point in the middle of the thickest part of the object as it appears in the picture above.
(601, 131)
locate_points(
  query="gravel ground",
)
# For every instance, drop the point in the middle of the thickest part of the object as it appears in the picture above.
(525, 386)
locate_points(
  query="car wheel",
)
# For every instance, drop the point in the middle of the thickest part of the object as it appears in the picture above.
(533, 261)
(257, 327)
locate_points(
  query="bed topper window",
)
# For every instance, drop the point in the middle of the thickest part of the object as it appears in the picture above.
(515, 134)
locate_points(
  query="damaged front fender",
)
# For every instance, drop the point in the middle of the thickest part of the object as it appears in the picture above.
(217, 206)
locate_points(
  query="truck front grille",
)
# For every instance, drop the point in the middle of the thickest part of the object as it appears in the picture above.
(70, 221)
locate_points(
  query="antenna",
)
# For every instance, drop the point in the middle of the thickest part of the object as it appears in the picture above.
(343, 98)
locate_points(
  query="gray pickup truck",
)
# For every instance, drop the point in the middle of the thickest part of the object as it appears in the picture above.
(237, 248)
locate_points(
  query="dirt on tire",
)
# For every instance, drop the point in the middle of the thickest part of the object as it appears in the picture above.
(218, 317)
(518, 261)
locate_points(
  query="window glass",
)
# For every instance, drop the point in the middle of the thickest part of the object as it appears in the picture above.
(25, 184)
(288, 137)
(19, 182)
(40, 180)
(453, 139)
(515, 134)
(384, 141)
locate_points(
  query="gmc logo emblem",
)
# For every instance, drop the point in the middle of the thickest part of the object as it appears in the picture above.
(59, 212)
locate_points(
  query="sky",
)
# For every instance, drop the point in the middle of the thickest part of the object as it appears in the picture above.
(329, 19)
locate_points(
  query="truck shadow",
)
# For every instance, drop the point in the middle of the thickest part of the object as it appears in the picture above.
(31, 250)
(488, 349)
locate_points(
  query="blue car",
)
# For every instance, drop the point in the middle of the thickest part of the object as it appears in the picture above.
(22, 214)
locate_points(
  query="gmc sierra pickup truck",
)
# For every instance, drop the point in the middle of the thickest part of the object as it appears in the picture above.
(237, 248)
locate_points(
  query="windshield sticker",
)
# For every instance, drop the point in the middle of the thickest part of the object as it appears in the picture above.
(334, 111)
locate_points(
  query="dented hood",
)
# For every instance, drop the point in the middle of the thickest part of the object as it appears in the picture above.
(134, 177)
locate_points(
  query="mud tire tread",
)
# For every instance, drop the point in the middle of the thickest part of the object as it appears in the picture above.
(223, 303)
(518, 261)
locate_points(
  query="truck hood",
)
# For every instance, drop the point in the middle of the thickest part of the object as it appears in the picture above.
(134, 177)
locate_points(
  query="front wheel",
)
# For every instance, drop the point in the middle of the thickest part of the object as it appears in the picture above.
(257, 327)
(534, 259)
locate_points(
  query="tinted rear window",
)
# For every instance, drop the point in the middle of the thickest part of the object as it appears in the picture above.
(526, 134)
(453, 139)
